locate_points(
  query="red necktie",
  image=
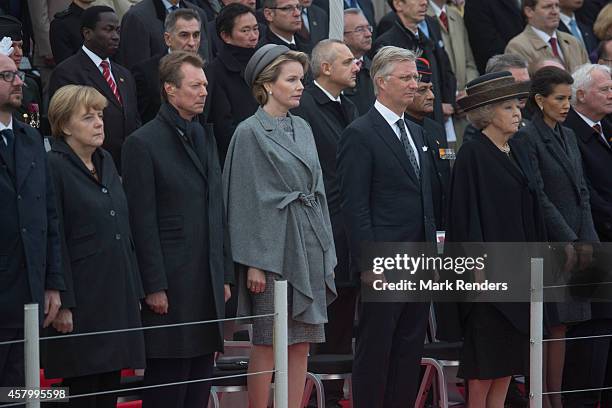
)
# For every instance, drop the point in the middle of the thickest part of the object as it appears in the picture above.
(109, 80)
(444, 19)
(304, 33)
(555, 48)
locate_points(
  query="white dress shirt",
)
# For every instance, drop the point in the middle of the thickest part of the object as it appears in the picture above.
(97, 60)
(391, 118)
(330, 96)
(546, 38)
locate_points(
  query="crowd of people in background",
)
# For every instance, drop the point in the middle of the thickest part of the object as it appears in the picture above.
(166, 161)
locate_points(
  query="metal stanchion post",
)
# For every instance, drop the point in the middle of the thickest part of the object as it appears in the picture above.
(281, 360)
(31, 350)
(536, 329)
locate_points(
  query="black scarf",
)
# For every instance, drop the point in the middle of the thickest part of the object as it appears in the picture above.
(191, 130)
(241, 54)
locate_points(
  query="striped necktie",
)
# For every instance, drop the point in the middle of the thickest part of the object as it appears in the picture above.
(109, 80)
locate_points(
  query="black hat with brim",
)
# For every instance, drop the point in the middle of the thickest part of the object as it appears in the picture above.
(493, 88)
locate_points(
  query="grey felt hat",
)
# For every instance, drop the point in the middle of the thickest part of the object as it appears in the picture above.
(261, 59)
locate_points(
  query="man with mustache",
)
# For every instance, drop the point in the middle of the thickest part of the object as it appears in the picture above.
(329, 112)
(92, 66)
(29, 238)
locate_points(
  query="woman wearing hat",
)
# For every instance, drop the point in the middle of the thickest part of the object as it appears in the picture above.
(493, 199)
(278, 219)
(563, 192)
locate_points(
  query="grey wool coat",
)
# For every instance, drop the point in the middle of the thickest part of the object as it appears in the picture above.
(274, 196)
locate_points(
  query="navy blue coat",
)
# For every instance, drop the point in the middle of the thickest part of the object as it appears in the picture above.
(29, 237)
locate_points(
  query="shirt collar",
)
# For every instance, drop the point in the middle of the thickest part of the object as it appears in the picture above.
(168, 5)
(437, 10)
(390, 116)
(285, 41)
(94, 57)
(330, 96)
(567, 19)
(9, 126)
(545, 37)
(587, 120)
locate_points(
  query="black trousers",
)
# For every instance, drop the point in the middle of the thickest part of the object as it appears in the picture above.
(338, 335)
(89, 384)
(386, 370)
(12, 372)
(588, 364)
(170, 370)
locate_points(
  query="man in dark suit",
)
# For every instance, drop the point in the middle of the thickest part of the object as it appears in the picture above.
(329, 112)
(284, 19)
(142, 31)
(182, 32)
(172, 180)
(358, 37)
(315, 23)
(587, 360)
(569, 24)
(29, 238)
(491, 24)
(365, 6)
(435, 139)
(92, 66)
(406, 33)
(386, 196)
(65, 30)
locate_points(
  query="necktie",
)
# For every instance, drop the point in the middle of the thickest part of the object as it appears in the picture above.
(109, 80)
(7, 145)
(408, 148)
(359, 63)
(574, 29)
(555, 48)
(444, 19)
(598, 129)
(304, 32)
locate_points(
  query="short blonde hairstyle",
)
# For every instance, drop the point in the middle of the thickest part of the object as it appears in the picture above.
(67, 101)
(603, 23)
(272, 72)
(481, 117)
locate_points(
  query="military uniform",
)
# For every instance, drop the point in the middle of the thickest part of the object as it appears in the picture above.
(65, 33)
(29, 111)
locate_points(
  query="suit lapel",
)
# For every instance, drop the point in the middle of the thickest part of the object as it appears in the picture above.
(384, 131)
(98, 80)
(190, 149)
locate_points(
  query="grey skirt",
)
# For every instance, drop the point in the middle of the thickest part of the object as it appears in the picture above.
(263, 327)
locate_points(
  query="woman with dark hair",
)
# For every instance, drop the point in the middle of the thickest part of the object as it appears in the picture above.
(98, 258)
(278, 219)
(230, 99)
(564, 197)
(492, 199)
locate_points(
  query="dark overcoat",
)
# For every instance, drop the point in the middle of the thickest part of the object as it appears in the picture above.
(103, 287)
(142, 32)
(65, 33)
(362, 94)
(442, 76)
(492, 199)
(327, 121)
(146, 78)
(120, 119)
(29, 236)
(176, 215)
(230, 100)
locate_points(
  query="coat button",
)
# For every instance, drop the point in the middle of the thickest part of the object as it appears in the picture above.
(19, 196)
(112, 213)
(104, 190)
(24, 230)
(33, 164)
(117, 236)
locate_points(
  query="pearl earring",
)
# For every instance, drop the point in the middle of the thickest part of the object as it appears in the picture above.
(269, 92)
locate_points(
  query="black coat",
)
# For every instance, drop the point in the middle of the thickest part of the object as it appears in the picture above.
(362, 95)
(435, 139)
(103, 286)
(142, 32)
(491, 24)
(230, 100)
(176, 215)
(65, 33)
(328, 121)
(119, 119)
(146, 77)
(492, 199)
(382, 200)
(442, 78)
(590, 41)
(29, 236)
(587, 14)
(300, 44)
(596, 161)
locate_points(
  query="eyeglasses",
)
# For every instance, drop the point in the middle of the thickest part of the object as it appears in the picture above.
(9, 76)
(361, 30)
(407, 78)
(288, 9)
